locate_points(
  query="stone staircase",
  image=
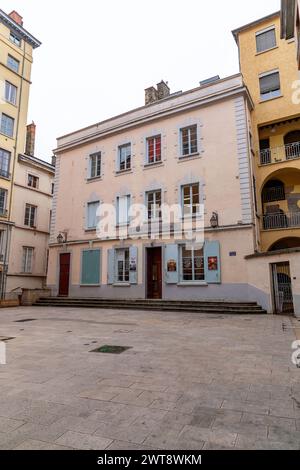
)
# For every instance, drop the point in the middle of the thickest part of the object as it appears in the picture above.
(200, 306)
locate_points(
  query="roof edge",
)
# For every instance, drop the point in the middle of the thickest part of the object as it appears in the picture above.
(236, 31)
(20, 30)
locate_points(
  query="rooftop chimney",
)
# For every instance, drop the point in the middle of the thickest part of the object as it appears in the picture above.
(163, 90)
(30, 139)
(14, 15)
(152, 94)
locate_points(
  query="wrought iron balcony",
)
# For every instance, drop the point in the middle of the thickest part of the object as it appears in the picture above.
(280, 154)
(281, 220)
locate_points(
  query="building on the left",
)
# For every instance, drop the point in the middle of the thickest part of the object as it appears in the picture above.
(26, 182)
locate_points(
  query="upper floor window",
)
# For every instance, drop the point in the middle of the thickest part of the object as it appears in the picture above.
(125, 157)
(92, 217)
(95, 165)
(33, 181)
(269, 84)
(3, 199)
(30, 215)
(4, 163)
(191, 199)
(27, 259)
(123, 204)
(10, 93)
(154, 204)
(189, 143)
(13, 63)
(265, 40)
(7, 125)
(154, 149)
(15, 39)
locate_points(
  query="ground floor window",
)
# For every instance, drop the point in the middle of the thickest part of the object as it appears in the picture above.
(27, 259)
(192, 264)
(122, 265)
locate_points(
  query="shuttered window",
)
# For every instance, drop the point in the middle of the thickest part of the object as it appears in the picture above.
(27, 259)
(90, 267)
(123, 203)
(192, 264)
(265, 40)
(269, 86)
(92, 218)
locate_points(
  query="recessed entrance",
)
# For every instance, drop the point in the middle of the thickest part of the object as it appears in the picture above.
(64, 273)
(282, 288)
(154, 273)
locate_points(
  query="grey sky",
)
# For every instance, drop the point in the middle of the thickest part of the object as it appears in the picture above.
(98, 56)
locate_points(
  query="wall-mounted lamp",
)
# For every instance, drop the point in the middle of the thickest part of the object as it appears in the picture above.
(62, 238)
(214, 221)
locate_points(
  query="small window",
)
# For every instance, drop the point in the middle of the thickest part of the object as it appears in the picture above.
(7, 125)
(92, 217)
(4, 163)
(123, 204)
(13, 63)
(33, 181)
(52, 188)
(191, 199)
(122, 265)
(154, 149)
(3, 199)
(30, 216)
(95, 165)
(269, 86)
(125, 157)
(192, 265)
(27, 259)
(10, 93)
(189, 143)
(154, 205)
(265, 40)
(15, 39)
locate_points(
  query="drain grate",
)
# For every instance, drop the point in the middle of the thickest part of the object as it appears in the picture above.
(4, 338)
(111, 349)
(25, 320)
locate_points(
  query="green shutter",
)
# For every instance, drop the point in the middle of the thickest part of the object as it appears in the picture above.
(171, 264)
(90, 267)
(133, 263)
(110, 266)
(212, 262)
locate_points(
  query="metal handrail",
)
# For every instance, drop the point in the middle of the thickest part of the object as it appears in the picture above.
(278, 154)
(281, 220)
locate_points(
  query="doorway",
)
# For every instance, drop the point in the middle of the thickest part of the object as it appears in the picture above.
(154, 273)
(64, 274)
(282, 288)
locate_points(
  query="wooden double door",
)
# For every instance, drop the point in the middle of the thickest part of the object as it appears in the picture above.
(154, 273)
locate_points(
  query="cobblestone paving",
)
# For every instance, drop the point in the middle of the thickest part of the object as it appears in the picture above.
(190, 381)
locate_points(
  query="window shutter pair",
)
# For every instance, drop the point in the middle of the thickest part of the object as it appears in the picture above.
(133, 265)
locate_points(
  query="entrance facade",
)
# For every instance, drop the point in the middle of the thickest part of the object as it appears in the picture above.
(64, 273)
(282, 288)
(154, 273)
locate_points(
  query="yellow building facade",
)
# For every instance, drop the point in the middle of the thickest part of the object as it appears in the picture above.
(269, 68)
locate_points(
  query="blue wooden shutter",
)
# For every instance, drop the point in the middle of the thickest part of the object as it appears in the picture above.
(110, 266)
(133, 261)
(212, 260)
(90, 267)
(171, 262)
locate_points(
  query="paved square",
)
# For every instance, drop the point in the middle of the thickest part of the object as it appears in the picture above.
(190, 381)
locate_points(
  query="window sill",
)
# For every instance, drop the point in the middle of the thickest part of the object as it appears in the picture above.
(192, 284)
(266, 100)
(191, 156)
(151, 165)
(7, 136)
(267, 50)
(90, 285)
(95, 178)
(91, 229)
(121, 284)
(123, 172)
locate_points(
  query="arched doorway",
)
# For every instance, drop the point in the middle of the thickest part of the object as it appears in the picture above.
(285, 243)
(292, 144)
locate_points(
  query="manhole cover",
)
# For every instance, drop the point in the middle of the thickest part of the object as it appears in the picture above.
(111, 349)
(25, 320)
(4, 338)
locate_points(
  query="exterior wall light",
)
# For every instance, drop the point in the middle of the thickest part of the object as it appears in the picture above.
(214, 221)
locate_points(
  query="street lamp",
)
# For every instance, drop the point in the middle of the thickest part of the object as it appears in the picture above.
(214, 221)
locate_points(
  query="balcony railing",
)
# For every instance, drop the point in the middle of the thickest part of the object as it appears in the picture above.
(281, 220)
(273, 194)
(280, 154)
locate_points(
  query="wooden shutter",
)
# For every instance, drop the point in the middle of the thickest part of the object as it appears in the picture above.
(90, 267)
(171, 262)
(133, 263)
(111, 266)
(212, 262)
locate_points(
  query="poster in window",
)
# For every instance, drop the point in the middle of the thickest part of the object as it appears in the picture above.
(172, 266)
(132, 264)
(213, 263)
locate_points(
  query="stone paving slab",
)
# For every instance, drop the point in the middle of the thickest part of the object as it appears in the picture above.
(190, 381)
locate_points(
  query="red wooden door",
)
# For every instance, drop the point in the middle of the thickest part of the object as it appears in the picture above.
(64, 273)
(154, 273)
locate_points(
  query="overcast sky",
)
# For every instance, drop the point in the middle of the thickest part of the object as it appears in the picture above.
(98, 56)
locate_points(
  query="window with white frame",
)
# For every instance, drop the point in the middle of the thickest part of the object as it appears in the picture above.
(3, 201)
(269, 84)
(192, 265)
(13, 63)
(154, 204)
(265, 40)
(189, 140)
(124, 157)
(4, 163)
(95, 165)
(92, 217)
(123, 204)
(7, 125)
(27, 260)
(30, 216)
(122, 265)
(191, 199)
(33, 181)
(154, 149)
(15, 39)
(10, 93)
